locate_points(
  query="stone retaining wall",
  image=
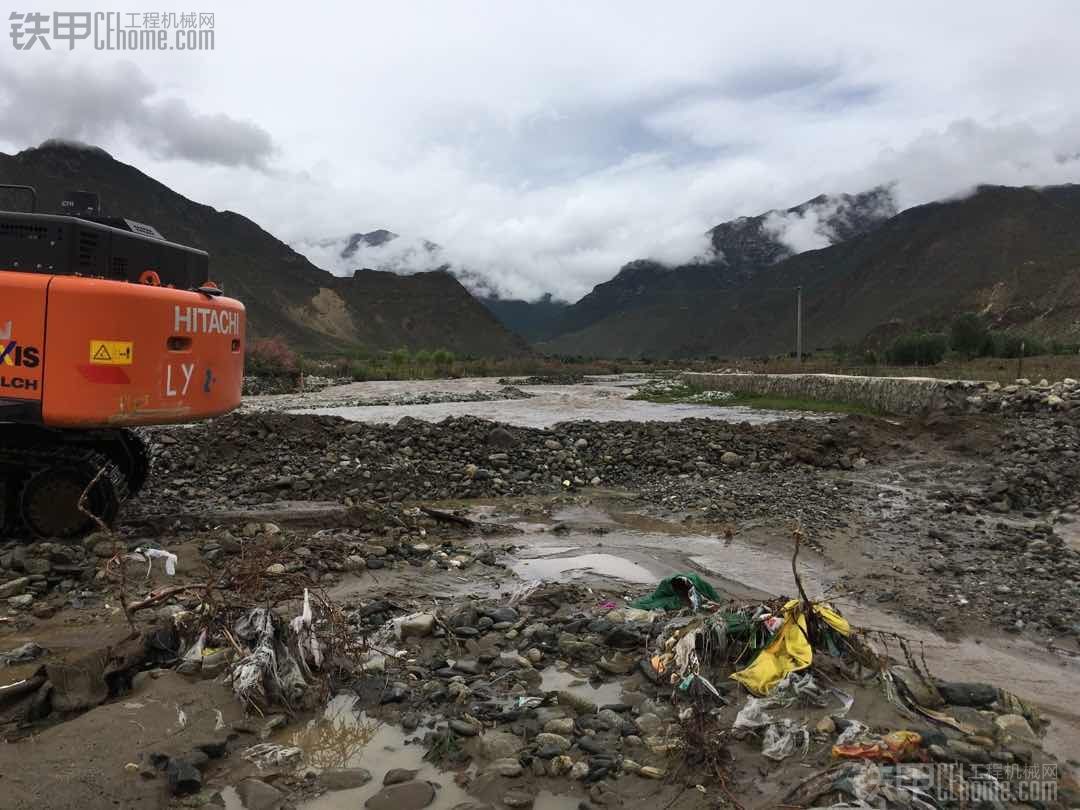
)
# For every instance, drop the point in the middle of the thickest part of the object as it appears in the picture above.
(899, 395)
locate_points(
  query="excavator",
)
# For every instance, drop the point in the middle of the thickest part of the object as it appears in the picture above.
(105, 328)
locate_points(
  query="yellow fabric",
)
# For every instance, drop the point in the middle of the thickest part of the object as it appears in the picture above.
(789, 651)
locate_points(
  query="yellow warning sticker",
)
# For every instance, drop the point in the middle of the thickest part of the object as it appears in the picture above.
(112, 352)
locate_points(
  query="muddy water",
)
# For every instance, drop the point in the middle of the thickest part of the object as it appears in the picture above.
(602, 694)
(602, 399)
(346, 738)
(747, 571)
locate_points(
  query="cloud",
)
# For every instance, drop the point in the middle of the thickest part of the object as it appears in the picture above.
(545, 145)
(801, 231)
(96, 106)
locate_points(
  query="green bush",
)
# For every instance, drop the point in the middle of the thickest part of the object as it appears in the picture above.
(918, 349)
(1013, 344)
(968, 334)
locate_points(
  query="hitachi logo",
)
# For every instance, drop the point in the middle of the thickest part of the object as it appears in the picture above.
(207, 321)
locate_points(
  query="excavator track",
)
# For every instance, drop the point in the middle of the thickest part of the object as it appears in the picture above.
(47, 472)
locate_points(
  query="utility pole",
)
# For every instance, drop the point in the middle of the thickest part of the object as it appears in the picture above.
(798, 324)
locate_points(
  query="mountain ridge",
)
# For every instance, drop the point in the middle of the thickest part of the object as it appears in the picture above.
(284, 293)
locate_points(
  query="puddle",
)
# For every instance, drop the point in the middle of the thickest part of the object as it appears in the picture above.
(602, 694)
(583, 567)
(546, 800)
(345, 738)
(546, 551)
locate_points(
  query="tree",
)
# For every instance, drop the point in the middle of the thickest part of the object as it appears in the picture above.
(968, 334)
(919, 349)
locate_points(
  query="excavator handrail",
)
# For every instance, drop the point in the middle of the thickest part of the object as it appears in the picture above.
(31, 189)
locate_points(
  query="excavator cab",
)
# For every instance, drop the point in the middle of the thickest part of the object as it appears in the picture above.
(105, 326)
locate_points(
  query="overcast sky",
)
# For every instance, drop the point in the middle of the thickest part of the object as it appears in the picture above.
(545, 144)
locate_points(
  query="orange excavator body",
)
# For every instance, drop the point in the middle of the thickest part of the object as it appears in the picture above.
(105, 327)
(88, 352)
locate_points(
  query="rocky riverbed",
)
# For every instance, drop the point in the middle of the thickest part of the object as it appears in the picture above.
(447, 664)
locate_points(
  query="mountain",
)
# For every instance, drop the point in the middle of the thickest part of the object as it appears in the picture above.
(1011, 253)
(742, 248)
(534, 320)
(373, 239)
(284, 293)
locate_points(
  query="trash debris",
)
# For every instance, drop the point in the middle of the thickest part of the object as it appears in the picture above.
(895, 747)
(305, 633)
(790, 649)
(678, 591)
(29, 651)
(272, 755)
(784, 738)
(151, 554)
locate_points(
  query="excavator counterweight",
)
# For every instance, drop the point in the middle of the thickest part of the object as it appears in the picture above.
(104, 327)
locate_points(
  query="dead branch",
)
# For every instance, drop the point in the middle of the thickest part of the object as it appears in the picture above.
(115, 546)
(449, 517)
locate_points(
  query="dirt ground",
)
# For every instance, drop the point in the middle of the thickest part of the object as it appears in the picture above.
(958, 534)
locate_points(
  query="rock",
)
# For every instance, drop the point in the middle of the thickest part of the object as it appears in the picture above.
(501, 437)
(579, 704)
(967, 694)
(560, 765)
(470, 666)
(37, 566)
(649, 725)
(518, 798)
(406, 796)
(591, 745)
(579, 770)
(826, 725)
(924, 693)
(14, 587)
(1016, 727)
(418, 624)
(183, 777)
(623, 637)
(510, 768)
(463, 728)
(395, 776)
(344, 778)
(548, 739)
(257, 795)
(731, 459)
(650, 772)
(502, 614)
(617, 664)
(498, 745)
(560, 725)
(967, 752)
(21, 602)
(275, 570)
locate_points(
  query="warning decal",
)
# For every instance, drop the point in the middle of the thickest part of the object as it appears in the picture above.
(111, 352)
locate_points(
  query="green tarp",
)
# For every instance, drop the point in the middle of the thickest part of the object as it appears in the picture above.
(666, 597)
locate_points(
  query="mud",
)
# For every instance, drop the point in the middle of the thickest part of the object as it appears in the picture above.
(959, 534)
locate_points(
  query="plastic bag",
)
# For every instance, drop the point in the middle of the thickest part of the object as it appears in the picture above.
(784, 738)
(157, 553)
